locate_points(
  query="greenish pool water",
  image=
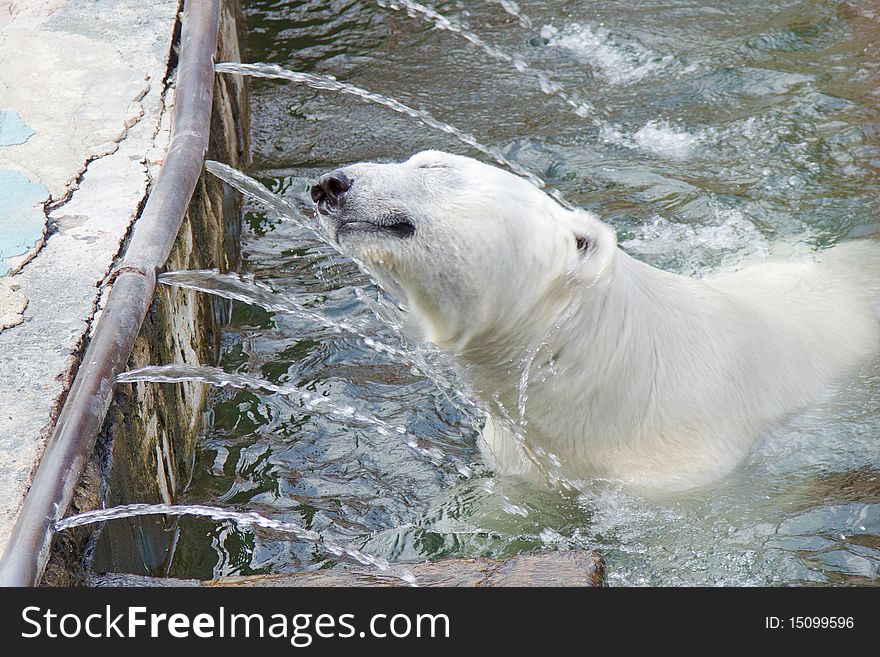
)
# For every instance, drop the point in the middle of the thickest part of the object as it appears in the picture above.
(720, 129)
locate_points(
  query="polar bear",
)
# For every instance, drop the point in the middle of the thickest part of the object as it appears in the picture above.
(596, 364)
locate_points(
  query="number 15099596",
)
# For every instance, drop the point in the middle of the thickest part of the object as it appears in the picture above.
(809, 622)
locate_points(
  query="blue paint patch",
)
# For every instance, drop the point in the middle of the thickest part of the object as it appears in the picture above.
(22, 220)
(12, 129)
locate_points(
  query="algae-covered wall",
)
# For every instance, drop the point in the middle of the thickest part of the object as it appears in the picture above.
(146, 448)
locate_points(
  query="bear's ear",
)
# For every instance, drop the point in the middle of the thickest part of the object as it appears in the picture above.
(594, 241)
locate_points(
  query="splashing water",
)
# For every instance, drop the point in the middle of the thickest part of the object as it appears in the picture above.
(214, 376)
(616, 61)
(244, 519)
(247, 185)
(656, 137)
(548, 86)
(328, 83)
(286, 211)
(231, 286)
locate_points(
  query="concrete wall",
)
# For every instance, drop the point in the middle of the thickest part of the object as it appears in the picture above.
(146, 450)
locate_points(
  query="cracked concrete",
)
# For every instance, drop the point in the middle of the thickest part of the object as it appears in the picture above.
(88, 79)
(12, 305)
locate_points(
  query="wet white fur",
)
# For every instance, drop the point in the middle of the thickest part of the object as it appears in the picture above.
(642, 375)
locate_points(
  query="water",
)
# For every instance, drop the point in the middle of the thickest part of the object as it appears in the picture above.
(230, 286)
(344, 413)
(241, 519)
(726, 131)
(545, 82)
(326, 83)
(514, 10)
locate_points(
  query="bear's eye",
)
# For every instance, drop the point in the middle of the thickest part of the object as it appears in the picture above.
(433, 165)
(583, 244)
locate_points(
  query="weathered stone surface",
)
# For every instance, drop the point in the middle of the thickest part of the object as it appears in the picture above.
(89, 80)
(88, 69)
(570, 569)
(12, 305)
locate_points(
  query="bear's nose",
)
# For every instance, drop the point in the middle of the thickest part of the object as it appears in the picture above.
(330, 188)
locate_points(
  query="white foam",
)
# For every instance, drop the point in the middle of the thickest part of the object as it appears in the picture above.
(615, 59)
(696, 250)
(657, 137)
(661, 138)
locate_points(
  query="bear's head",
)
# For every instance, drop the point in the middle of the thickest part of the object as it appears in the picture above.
(472, 251)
